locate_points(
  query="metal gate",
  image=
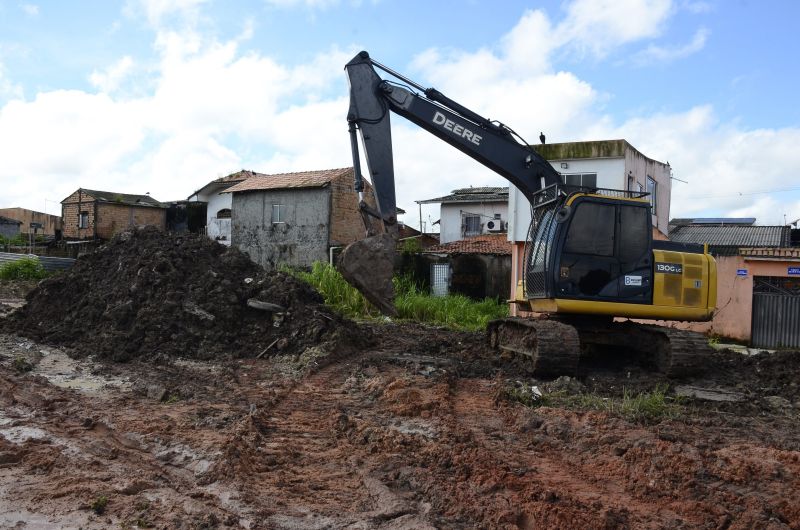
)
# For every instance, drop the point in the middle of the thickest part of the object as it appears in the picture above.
(440, 278)
(776, 312)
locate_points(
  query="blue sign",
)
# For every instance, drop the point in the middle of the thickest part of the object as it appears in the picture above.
(741, 272)
(794, 271)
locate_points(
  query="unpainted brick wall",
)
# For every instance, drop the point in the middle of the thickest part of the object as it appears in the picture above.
(346, 224)
(114, 218)
(70, 210)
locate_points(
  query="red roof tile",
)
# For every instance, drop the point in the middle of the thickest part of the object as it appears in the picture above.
(300, 179)
(483, 244)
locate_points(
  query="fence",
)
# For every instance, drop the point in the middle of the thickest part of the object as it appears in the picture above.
(49, 263)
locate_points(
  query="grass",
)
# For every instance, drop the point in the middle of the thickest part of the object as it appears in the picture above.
(452, 311)
(641, 407)
(26, 268)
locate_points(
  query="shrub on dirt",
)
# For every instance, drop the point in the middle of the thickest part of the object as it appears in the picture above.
(99, 504)
(149, 293)
(27, 268)
(22, 365)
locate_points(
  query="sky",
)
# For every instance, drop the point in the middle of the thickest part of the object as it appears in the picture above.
(163, 96)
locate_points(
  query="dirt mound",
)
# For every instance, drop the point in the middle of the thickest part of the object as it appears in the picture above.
(147, 293)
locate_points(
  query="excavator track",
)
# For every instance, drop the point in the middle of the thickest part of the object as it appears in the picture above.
(553, 348)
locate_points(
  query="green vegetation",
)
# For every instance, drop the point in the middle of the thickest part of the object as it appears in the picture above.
(19, 240)
(453, 311)
(27, 268)
(99, 505)
(22, 365)
(642, 407)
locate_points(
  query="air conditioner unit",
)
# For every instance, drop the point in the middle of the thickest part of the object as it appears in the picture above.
(495, 225)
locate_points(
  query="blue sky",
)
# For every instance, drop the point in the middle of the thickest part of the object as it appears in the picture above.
(165, 95)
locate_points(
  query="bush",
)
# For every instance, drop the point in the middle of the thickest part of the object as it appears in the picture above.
(27, 268)
(453, 311)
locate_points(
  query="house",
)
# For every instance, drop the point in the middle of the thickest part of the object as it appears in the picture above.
(9, 228)
(31, 220)
(296, 218)
(218, 204)
(478, 267)
(93, 214)
(468, 212)
(758, 279)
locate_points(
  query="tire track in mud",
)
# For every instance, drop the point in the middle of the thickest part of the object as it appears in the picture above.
(296, 470)
(554, 477)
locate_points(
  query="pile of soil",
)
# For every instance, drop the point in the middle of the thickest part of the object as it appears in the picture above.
(147, 293)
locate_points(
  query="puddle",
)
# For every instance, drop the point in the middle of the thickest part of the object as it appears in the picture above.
(62, 371)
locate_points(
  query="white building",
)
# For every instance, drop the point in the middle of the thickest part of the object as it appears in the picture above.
(218, 205)
(612, 164)
(470, 212)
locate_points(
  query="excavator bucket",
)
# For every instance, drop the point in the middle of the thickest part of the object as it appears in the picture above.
(368, 265)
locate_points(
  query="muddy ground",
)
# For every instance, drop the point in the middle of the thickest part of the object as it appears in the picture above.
(418, 428)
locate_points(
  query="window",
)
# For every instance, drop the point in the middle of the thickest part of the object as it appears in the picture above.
(497, 216)
(83, 220)
(278, 213)
(652, 187)
(225, 213)
(472, 225)
(592, 230)
(586, 180)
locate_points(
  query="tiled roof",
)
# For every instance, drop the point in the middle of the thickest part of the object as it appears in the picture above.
(482, 194)
(301, 179)
(735, 236)
(124, 198)
(484, 244)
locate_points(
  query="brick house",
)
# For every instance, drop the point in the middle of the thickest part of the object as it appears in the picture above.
(295, 218)
(92, 214)
(44, 223)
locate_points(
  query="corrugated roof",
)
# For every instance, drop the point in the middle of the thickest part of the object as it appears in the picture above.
(300, 179)
(124, 198)
(483, 244)
(481, 194)
(732, 235)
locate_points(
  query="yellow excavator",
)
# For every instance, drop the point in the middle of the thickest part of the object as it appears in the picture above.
(590, 257)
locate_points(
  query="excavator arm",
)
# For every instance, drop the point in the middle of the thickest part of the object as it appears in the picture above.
(366, 264)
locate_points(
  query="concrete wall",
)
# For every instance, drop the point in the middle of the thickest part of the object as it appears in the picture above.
(451, 217)
(299, 241)
(622, 173)
(610, 174)
(640, 167)
(50, 223)
(8, 230)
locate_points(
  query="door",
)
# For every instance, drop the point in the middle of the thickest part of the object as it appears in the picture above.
(776, 312)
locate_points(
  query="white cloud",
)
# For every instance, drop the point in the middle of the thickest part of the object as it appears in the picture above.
(311, 4)
(208, 108)
(664, 54)
(157, 11)
(111, 78)
(31, 10)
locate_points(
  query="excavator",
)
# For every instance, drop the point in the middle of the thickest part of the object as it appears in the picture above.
(590, 262)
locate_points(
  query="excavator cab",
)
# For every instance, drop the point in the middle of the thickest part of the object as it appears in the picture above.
(590, 244)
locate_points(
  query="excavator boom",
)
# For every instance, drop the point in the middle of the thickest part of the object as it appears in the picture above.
(372, 101)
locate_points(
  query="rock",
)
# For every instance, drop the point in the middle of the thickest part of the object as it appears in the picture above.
(265, 306)
(778, 403)
(156, 392)
(709, 394)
